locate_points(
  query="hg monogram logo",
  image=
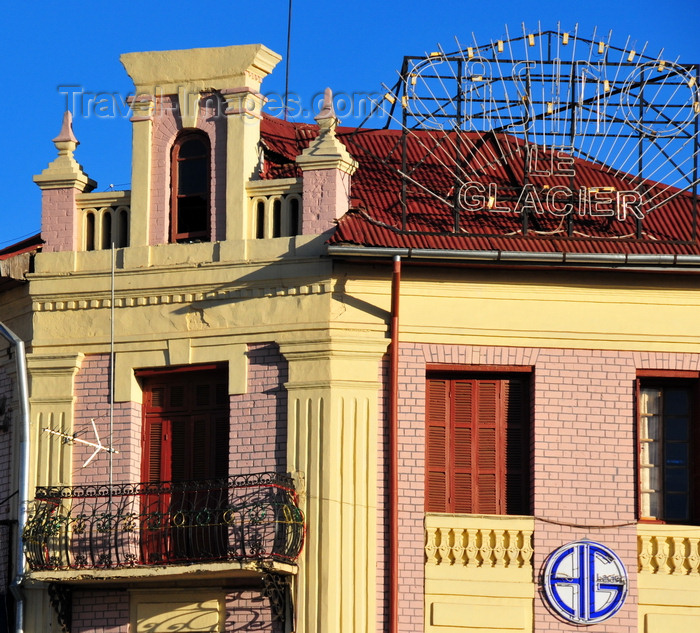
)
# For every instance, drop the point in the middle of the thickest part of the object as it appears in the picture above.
(585, 582)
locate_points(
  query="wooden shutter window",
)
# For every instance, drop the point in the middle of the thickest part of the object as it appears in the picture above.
(186, 426)
(477, 445)
(436, 449)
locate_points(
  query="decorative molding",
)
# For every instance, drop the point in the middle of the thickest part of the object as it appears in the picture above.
(65, 305)
(104, 199)
(276, 187)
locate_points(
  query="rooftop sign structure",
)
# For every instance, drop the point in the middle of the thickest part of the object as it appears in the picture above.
(545, 133)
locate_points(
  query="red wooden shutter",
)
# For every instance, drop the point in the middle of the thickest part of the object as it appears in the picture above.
(487, 449)
(436, 447)
(477, 446)
(153, 451)
(186, 426)
(460, 447)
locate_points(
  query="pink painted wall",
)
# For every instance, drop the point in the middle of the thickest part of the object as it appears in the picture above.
(583, 449)
(166, 126)
(92, 402)
(59, 220)
(326, 193)
(258, 440)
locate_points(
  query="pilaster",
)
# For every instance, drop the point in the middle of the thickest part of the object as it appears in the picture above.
(333, 434)
(141, 172)
(52, 401)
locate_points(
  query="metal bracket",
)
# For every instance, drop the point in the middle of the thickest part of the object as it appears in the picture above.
(277, 588)
(61, 599)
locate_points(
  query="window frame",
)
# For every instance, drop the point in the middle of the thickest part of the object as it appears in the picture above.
(177, 236)
(524, 498)
(664, 379)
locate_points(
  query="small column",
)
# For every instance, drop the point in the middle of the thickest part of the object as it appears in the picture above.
(327, 168)
(60, 183)
(243, 114)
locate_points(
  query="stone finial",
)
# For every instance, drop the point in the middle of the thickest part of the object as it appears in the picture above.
(66, 134)
(326, 151)
(327, 111)
(64, 171)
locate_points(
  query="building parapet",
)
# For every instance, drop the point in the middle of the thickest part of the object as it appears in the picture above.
(477, 541)
(668, 549)
(103, 219)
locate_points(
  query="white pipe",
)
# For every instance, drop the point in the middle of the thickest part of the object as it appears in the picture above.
(21, 361)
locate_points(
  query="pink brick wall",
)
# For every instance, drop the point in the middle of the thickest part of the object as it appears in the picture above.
(100, 612)
(249, 610)
(583, 461)
(258, 440)
(92, 401)
(59, 220)
(166, 126)
(326, 193)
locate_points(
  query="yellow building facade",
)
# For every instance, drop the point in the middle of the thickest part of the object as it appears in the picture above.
(232, 425)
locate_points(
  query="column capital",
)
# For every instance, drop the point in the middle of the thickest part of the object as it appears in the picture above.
(338, 362)
(243, 101)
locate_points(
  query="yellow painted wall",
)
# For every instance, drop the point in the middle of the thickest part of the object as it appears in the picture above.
(548, 308)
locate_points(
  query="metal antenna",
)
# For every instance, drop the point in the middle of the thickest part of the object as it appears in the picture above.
(286, 72)
(98, 445)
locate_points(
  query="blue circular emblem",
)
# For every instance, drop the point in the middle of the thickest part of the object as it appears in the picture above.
(585, 582)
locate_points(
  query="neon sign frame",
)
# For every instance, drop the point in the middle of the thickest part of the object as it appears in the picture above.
(575, 588)
(547, 104)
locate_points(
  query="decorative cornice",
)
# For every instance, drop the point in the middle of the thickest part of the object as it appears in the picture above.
(278, 186)
(141, 300)
(104, 199)
(199, 69)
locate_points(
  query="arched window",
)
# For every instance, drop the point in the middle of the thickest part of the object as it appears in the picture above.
(107, 235)
(189, 197)
(294, 216)
(90, 231)
(123, 230)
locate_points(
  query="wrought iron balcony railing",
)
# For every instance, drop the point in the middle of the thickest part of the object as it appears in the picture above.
(252, 517)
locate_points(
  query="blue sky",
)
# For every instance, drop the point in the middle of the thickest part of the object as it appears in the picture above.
(49, 49)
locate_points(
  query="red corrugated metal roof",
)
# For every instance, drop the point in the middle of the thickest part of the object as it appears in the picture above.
(436, 161)
(25, 246)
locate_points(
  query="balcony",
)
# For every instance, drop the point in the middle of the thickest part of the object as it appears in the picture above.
(124, 531)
